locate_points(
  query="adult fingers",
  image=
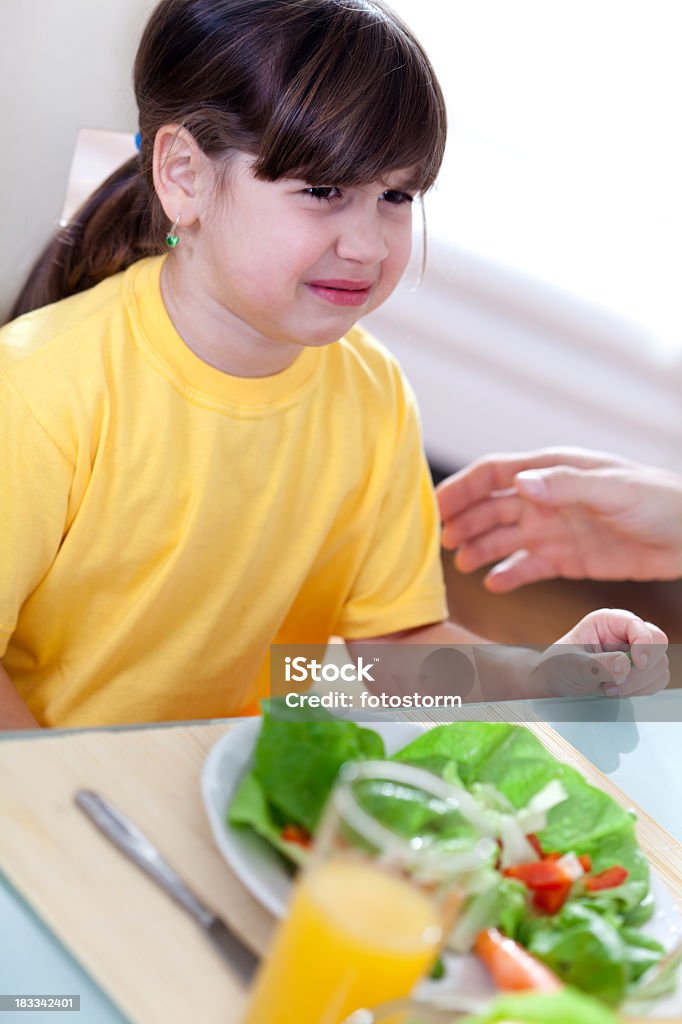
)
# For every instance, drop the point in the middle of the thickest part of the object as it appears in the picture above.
(497, 472)
(491, 547)
(516, 571)
(465, 489)
(604, 490)
(480, 518)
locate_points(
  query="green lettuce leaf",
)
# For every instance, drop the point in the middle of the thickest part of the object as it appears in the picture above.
(565, 1007)
(297, 761)
(591, 950)
(469, 744)
(250, 808)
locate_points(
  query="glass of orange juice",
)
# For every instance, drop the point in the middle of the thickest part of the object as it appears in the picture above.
(395, 855)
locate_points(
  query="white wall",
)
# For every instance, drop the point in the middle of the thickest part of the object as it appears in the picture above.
(502, 362)
(64, 64)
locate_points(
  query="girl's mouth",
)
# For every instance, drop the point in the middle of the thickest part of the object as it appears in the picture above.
(342, 293)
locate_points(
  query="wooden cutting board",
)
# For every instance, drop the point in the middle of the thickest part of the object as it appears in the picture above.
(148, 955)
(142, 950)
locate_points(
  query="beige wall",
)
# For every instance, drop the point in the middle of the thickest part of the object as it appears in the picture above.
(64, 65)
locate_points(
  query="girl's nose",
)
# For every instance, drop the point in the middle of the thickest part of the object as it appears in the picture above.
(362, 239)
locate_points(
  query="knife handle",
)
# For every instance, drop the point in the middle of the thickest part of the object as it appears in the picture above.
(127, 836)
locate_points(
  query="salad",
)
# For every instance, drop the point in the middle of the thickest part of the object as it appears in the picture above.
(565, 1007)
(566, 880)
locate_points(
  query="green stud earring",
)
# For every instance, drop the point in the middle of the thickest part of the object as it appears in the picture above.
(172, 238)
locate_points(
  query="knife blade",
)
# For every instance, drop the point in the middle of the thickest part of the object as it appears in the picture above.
(132, 842)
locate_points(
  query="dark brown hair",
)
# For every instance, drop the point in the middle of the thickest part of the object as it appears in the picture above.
(335, 92)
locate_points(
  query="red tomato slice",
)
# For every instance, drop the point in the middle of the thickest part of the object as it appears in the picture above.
(297, 834)
(584, 858)
(540, 874)
(548, 881)
(550, 901)
(610, 878)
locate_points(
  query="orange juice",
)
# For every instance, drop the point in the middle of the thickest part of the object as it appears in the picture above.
(354, 936)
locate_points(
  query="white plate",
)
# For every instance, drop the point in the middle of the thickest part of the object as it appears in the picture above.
(252, 859)
(263, 873)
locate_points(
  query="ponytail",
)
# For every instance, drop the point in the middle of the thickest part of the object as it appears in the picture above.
(117, 225)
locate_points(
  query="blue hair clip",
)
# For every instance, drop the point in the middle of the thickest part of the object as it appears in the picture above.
(138, 141)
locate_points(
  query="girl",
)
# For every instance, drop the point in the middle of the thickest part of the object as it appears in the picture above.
(202, 454)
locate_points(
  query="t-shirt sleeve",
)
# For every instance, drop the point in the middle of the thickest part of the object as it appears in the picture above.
(36, 480)
(400, 583)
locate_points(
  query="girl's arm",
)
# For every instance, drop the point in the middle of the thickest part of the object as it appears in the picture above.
(14, 714)
(444, 658)
(474, 667)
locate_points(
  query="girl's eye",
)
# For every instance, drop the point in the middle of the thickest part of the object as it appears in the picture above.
(320, 192)
(330, 194)
(397, 198)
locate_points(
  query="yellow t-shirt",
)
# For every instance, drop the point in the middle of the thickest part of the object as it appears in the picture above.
(163, 523)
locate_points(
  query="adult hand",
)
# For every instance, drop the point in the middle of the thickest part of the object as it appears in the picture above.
(563, 512)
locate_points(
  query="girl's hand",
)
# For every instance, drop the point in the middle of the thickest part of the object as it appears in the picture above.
(599, 665)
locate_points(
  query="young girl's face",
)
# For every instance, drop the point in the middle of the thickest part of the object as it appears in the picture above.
(298, 262)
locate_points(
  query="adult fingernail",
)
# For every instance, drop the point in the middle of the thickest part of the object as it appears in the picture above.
(532, 483)
(611, 690)
(642, 660)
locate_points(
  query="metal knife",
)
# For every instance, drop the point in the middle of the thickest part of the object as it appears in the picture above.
(131, 841)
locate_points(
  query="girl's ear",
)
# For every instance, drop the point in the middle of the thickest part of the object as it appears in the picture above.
(179, 173)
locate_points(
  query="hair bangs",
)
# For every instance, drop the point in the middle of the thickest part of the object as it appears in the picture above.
(357, 99)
